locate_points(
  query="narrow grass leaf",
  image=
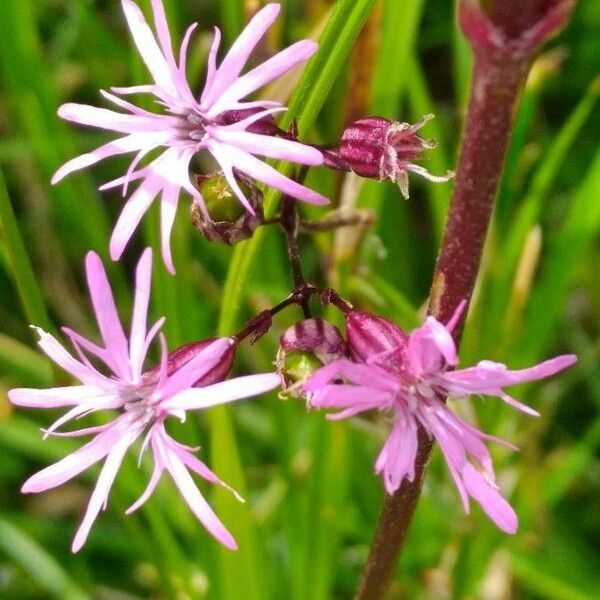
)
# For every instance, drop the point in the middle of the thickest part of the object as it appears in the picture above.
(30, 294)
(47, 572)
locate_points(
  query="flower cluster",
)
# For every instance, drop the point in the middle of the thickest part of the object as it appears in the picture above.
(376, 366)
(410, 377)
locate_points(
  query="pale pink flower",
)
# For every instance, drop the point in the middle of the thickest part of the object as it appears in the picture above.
(220, 121)
(409, 377)
(142, 401)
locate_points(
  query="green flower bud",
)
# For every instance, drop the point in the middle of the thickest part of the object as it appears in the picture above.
(227, 221)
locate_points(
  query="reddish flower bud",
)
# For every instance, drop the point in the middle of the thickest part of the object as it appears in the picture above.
(512, 28)
(265, 125)
(304, 348)
(375, 339)
(378, 148)
(225, 219)
(182, 355)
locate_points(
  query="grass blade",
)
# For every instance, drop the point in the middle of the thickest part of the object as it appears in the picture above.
(39, 565)
(22, 271)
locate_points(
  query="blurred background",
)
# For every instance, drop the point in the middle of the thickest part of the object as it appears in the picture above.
(312, 497)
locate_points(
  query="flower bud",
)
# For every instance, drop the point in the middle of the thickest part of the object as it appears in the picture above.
(374, 339)
(512, 28)
(227, 220)
(378, 148)
(182, 355)
(265, 125)
(304, 348)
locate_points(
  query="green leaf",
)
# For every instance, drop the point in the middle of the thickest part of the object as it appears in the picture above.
(232, 19)
(565, 251)
(22, 271)
(38, 564)
(24, 365)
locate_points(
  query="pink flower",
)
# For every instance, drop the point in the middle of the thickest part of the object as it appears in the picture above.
(220, 122)
(142, 401)
(409, 377)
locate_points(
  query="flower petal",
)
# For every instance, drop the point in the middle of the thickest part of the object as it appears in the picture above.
(263, 172)
(81, 343)
(267, 145)
(100, 494)
(146, 44)
(106, 315)
(206, 359)
(74, 463)
(269, 70)
(137, 337)
(196, 465)
(54, 349)
(185, 484)
(130, 143)
(396, 461)
(211, 63)
(168, 210)
(54, 397)
(222, 392)
(360, 374)
(132, 214)
(490, 499)
(154, 479)
(92, 116)
(238, 54)
(162, 29)
(352, 398)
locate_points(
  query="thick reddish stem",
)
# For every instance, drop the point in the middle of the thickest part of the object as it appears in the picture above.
(504, 40)
(494, 97)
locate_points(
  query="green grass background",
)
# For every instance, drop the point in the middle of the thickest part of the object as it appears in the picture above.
(312, 497)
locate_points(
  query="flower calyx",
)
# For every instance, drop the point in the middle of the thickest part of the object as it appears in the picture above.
(224, 219)
(304, 348)
(378, 148)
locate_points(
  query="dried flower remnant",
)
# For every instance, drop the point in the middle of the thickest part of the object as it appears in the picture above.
(409, 377)
(378, 148)
(221, 122)
(142, 400)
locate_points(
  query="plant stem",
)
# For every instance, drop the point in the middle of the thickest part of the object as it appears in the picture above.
(503, 53)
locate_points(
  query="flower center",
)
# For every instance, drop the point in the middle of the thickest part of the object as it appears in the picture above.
(194, 128)
(138, 400)
(416, 391)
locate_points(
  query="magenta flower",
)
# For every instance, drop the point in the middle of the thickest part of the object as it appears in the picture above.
(220, 122)
(409, 377)
(142, 401)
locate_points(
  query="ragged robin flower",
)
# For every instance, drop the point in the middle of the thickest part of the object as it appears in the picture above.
(220, 121)
(410, 377)
(113, 379)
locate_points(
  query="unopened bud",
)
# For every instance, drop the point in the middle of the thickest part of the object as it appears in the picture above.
(378, 148)
(256, 121)
(182, 355)
(505, 29)
(304, 348)
(374, 339)
(227, 220)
